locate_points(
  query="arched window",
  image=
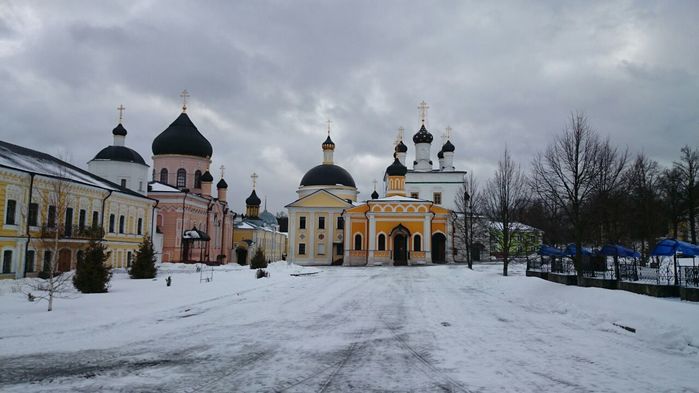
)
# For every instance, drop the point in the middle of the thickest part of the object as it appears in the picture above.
(417, 243)
(163, 176)
(357, 242)
(197, 179)
(382, 242)
(181, 178)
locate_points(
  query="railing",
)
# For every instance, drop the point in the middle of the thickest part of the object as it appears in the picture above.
(74, 232)
(541, 264)
(689, 276)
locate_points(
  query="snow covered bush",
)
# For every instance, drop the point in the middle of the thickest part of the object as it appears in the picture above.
(144, 265)
(91, 274)
(258, 261)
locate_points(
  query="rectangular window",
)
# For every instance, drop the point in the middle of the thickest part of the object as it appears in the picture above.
(302, 249)
(112, 220)
(51, 217)
(321, 249)
(81, 219)
(95, 219)
(123, 183)
(415, 195)
(140, 186)
(437, 198)
(140, 226)
(33, 214)
(302, 223)
(122, 222)
(47, 261)
(7, 262)
(340, 223)
(321, 222)
(128, 259)
(10, 212)
(69, 222)
(29, 264)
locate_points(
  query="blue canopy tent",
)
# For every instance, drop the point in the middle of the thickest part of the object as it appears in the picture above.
(615, 250)
(570, 250)
(629, 271)
(670, 247)
(548, 251)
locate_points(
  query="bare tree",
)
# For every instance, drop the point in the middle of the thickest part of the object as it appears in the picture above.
(504, 197)
(645, 214)
(468, 201)
(670, 185)
(607, 199)
(55, 198)
(688, 167)
(566, 174)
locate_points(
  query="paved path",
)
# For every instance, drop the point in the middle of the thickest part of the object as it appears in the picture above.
(371, 330)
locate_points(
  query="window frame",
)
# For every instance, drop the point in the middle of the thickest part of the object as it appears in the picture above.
(321, 222)
(181, 179)
(11, 212)
(33, 214)
(164, 176)
(7, 261)
(358, 241)
(435, 196)
(302, 248)
(302, 222)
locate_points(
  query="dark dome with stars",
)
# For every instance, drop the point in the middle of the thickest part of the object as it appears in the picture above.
(423, 136)
(401, 148)
(182, 137)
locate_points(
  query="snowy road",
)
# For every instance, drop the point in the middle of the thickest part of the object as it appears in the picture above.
(441, 328)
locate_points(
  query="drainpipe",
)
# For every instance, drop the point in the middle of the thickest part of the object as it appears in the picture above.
(367, 233)
(29, 235)
(104, 233)
(184, 199)
(208, 245)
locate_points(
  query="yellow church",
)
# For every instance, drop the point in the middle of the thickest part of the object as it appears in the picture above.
(328, 226)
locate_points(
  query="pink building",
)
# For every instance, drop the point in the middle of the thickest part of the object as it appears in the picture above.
(196, 225)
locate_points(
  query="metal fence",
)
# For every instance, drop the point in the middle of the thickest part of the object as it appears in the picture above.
(689, 276)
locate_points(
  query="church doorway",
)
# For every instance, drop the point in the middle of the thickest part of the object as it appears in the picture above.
(439, 248)
(400, 250)
(241, 255)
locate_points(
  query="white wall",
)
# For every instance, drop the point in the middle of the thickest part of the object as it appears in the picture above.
(427, 183)
(135, 174)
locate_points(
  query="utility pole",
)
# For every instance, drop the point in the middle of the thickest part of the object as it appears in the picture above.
(467, 199)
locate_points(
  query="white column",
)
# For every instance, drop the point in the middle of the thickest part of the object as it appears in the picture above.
(372, 237)
(427, 238)
(347, 237)
(291, 252)
(330, 225)
(311, 231)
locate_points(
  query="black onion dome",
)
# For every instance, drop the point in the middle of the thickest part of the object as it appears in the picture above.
(440, 155)
(253, 199)
(120, 153)
(374, 195)
(396, 169)
(328, 144)
(221, 184)
(423, 136)
(448, 147)
(327, 175)
(401, 148)
(182, 137)
(119, 130)
(206, 177)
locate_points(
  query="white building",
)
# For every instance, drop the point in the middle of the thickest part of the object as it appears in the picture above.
(120, 164)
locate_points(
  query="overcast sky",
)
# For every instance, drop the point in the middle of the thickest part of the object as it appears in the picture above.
(265, 76)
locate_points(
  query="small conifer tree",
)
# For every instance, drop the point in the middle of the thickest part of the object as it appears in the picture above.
(144, 265)
(91, 273)
(258, 260)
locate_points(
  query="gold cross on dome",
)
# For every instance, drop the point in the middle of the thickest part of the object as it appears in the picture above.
(329, 122)
(374, 184)
(448, 133)
(222, 168)
(254, 179)
(423, 107)
(121, 109)
(184, 96)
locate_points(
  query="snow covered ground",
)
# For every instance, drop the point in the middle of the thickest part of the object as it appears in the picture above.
(419, 329)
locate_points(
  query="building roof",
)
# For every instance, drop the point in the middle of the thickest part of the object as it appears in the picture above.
(156, 186)
(32, 161)
(120, 153)
(253, 199)
(268, 218)
(328, 144)
(401, 147)
(221, 184)
(448, 147)
(327, 175)
(397, 168)
(182, 137)
(119, 130)
(206, 177)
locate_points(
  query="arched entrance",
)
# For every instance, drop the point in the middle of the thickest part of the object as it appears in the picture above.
(63, 260)
(400, 236)
(241, 255)
(439, 248)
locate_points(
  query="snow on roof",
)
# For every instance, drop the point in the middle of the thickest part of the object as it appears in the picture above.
(161, 187)
(397, 198)
(518, 226)
(32, 161)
